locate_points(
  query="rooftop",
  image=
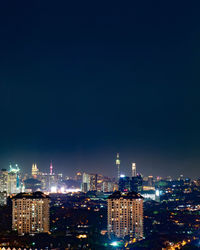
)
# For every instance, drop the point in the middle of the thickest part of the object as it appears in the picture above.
(130, 195)
(35, 195)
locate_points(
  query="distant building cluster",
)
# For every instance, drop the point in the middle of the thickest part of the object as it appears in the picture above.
(125, 197)
(12, 181)
(97, 182)
(137, 183)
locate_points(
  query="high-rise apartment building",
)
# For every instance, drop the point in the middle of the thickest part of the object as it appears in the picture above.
(30, 213)
(125, 215)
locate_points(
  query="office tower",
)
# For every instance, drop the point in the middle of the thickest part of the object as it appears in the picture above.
(93, 182)
(85, 183)
(108, 186)
(84, 187)
(78, 176)
(60, 178)
(125, 215)
(100, 180)
(50, 181)
(124, 184)
(14, 186)
(136, 183)
(53, 181)
(134, 169)
(181, 177)
(118, 166)
(44, 179)
(35, 170)
(150, 181)
(9, 180)
(51, 168)
(30, 213)
(3, 180)
(89, 182)
(12, 183)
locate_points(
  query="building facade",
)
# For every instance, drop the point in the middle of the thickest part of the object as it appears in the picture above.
(125, 215)
(30, 213)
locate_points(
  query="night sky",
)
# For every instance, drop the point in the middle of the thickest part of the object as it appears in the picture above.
(81, 81)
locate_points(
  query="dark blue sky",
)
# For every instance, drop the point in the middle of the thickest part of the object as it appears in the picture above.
(81, 81)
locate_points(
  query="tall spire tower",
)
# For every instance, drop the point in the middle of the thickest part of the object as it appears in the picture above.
(133, 169)
(35, 170)
(51, 168)
(118, 166)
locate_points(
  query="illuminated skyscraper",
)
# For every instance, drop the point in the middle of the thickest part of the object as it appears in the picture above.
(134, 169)
(3, 186)
(3, 180)
(51, 168)
(93, 182)
(124, 184)
(89, 182)
(118, 166)
(108, 186)
(136, 183)
(13, 179)
(85, 183)
(9, 180)
(12, 183)
(125, 215)
(150, 181)
(30, 213)
(78, 176)
(35, 170)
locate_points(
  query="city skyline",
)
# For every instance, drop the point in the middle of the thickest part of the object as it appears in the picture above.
(100, 125)
(78, 85)
(126, 169)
